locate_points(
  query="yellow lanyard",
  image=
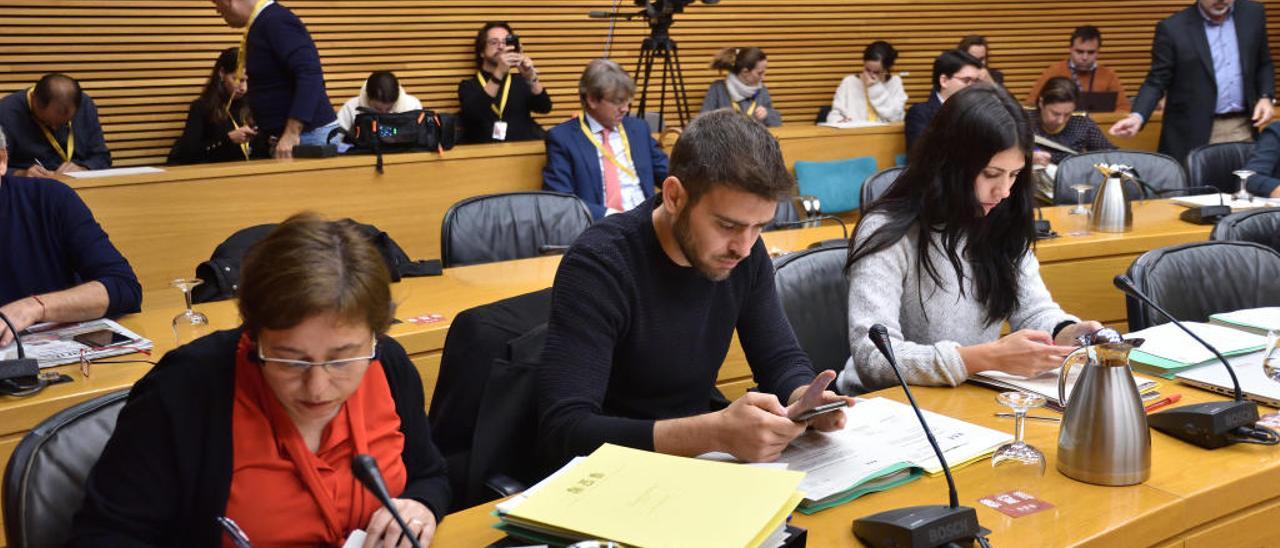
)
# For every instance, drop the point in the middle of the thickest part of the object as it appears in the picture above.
(608, 151)
(506, 92)
(71, 136)
(750, 110)
(871, 110)
(244, 40)
(244, 147)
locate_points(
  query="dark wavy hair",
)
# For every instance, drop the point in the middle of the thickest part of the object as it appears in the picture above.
(483, 35)
(881, 51)
(214, 96)
(936, 194)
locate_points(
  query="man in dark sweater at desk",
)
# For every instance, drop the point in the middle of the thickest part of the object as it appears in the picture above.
(286, 82)
(498, 101)
(645, 303)
(53, 129)
(58, 265)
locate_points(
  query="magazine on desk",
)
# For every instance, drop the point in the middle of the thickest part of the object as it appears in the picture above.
(880, 447)
(60, 344)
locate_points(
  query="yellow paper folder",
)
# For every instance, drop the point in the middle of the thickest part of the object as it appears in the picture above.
(642, 498)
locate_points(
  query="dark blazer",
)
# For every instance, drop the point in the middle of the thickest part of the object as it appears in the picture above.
(919, 116)
(1265, 162)
(165, 475)
(573, 165)
(1182, 70)
(204, 141)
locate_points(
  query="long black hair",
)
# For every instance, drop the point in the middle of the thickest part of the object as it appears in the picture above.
(936, 194)
(214, 97)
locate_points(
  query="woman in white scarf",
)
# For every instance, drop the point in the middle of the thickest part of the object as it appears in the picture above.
(743, 88)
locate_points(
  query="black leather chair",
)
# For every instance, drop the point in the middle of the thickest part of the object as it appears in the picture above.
(1212, 164)
(483, 413)
(815, 297)
(44, 480)
(1195, 280)
(1260, 226)
(1158, 170)
(783, 214)
(514, 225)
(877, 184)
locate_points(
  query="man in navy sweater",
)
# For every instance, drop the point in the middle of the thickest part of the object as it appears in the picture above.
(53, 129)
(953, 71)
(286, 82)
(602, 156)
(58, 264)
(645, 304)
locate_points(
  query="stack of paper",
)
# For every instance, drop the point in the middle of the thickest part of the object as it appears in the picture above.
(1168, 350)
(1046, 385)
(60, 344)
(1253, 320)
(881, 447)
(640, 498)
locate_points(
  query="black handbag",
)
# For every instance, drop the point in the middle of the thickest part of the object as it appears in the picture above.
(414, 130)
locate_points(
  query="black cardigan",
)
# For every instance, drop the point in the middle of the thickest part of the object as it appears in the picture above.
(203, 141)
(165, 475)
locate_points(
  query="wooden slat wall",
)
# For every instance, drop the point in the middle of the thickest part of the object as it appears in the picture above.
(144, 60)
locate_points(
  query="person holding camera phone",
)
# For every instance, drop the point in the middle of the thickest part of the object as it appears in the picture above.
(498, 100)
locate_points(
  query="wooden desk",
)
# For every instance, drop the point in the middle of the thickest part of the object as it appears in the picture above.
(1194, 498)
(167, 223)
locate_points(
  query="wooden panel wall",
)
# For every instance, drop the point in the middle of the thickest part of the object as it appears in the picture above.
(144, 60)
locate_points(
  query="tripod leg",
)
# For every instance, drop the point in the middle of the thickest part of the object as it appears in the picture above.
(645, 64)
(682, 93)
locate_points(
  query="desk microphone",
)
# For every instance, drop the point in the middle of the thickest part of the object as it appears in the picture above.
(366, 470)
(918, 526)
(22, 366)
(1209, 425)
(1044, 229)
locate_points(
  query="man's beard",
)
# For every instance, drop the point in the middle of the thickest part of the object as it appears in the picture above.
(684, 238)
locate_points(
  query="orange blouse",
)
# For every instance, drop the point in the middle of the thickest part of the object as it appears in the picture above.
(281, 492)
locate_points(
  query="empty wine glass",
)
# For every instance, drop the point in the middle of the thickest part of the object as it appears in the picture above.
(189, 325)
(1079, 215)
(1018, 464)
(1243, 194)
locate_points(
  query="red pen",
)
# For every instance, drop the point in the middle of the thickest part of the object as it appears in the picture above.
(1163, 402)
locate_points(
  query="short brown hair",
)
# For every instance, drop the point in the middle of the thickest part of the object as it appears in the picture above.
(725, 148)
(309, 266)
(1058, 89)
(736, 60)
(605, 79)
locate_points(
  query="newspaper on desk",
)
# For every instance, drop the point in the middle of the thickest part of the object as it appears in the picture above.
(54, 344)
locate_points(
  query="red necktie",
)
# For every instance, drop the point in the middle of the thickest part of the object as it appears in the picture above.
(612, 188)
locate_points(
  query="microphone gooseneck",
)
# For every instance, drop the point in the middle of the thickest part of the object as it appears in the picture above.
(365, 469)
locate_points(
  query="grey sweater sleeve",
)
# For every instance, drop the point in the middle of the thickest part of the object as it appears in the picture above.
(1036, 307)
(877, 284)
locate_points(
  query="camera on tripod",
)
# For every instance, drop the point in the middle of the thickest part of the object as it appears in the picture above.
(654, 8)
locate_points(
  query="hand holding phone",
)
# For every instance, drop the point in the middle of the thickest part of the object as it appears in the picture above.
(823, 409)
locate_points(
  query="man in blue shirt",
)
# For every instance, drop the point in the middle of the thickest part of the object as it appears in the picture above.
(603, 156)
(57, 264)
(53, 129)
(1212, 64)
(286, 82)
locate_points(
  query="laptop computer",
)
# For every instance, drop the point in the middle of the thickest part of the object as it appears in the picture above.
(1248, 367)
(1097, 101)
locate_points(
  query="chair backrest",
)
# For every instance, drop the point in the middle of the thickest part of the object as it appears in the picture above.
(1197, 279)
(835, 183)
(1212, 164)
(44, 480)
(877, 184)
(485, 395)
(1260, 226)
(1158, 170)
(785, 213)
(815, 297)
(514, 225)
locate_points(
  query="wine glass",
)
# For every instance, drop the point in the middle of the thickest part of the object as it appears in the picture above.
(189, 325)
(1080, 214)
(1243, 195)
(1271, 357)
(1018, 463)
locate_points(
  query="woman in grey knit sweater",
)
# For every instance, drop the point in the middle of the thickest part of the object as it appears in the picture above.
(742, 89)
(944, 258)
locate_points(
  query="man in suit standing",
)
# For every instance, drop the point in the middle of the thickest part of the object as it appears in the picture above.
(602, 156)
(953, 71)
(1212, 63)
